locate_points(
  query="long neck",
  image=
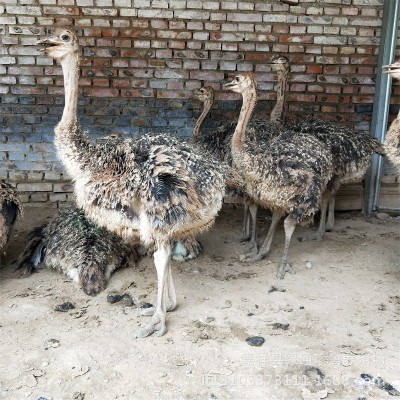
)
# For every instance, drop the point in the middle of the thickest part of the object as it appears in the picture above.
(239, 136)
(277, 113)
(206, 108)
(70, 67)
(73, 146)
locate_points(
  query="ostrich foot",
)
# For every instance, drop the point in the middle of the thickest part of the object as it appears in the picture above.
(329, 227)
(254, 256)
(148, 312)
(244, 237)
(316, 236)
(157, 326)
(283, 268)
(251, 249)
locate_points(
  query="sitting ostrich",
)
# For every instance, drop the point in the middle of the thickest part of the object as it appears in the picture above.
(74, 245)
(155, 187)
(10, 210)
(392, 140)
(287, 174)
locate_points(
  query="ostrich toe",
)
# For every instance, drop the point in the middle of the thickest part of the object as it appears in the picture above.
(283, 268)
(157, 326)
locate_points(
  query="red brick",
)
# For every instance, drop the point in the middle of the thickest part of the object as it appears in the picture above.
(98, 92)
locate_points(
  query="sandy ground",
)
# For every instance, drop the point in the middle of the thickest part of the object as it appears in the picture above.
(337, 318)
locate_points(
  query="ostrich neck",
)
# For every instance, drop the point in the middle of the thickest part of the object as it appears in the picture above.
(278, 111)
(73, 146)
(206, 108)
(239, 136)
(70, 67)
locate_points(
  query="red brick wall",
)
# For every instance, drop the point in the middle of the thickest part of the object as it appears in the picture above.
(141, 60)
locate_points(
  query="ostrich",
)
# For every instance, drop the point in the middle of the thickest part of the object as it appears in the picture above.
(74, 245)
(155, 186)
(392, 140)
(182, 249)
(10, 209)
(287, 174)
(351, 151)
(218, 143)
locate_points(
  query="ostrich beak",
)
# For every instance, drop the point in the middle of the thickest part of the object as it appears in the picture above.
(49, 41)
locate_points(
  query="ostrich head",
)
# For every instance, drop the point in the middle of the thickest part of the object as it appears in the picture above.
(242, 83)
(60, 44)
(204, 94)
(392, 69)
(279, 63)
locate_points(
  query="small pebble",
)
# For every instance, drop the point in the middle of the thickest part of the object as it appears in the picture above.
(278, 325)
(64, 307)
(308, 264)
(255, 341)
(147, 305)
(53, 343)
(127, 300)
(115, 298)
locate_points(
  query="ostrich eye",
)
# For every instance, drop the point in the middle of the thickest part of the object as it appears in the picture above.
(65, 38)
(237, 79)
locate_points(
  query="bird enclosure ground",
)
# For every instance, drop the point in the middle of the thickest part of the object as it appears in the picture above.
(330, 330)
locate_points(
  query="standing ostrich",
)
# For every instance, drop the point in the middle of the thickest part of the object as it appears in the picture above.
(218, 143)
(74, 245)
(392, 140)
(155, 186)
(287, 174)
(182, 250)
(10, 210)
(351, 151)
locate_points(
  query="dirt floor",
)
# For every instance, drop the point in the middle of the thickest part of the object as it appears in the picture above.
(330, 330)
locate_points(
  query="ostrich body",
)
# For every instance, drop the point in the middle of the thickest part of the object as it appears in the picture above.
(287, 174)
(155, 187)
(77, 247)
(392, 139)
(10, 210)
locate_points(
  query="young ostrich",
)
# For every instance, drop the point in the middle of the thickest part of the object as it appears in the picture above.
(392, 140)
(77, 247)
(287, 174)
(218, 143)
(351, 152)
(10, 210)
(156, 187)
(182, 249)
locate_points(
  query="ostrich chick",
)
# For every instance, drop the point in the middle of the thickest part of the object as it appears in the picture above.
(287, 174)
(77, 247)
(155, 187)
(10, 210)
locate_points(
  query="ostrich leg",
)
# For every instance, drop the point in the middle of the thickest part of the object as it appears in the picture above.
(166, 297)
(252, 247)
(330, 223)
(276, 217)
(284, 267)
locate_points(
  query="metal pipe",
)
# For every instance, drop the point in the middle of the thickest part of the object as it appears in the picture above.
(388, 209)
(387, 48)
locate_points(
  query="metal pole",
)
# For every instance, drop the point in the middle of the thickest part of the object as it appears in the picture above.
(387, 48)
